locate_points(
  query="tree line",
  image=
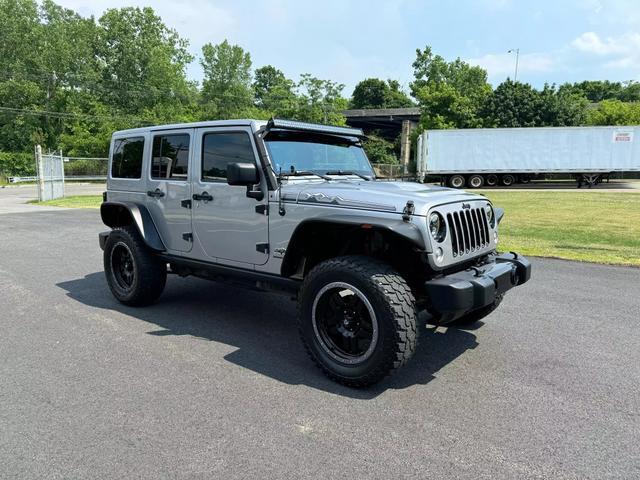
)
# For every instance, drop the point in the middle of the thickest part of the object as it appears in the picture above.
(68, 81)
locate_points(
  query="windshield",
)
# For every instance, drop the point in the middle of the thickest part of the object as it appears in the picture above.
(302, 152)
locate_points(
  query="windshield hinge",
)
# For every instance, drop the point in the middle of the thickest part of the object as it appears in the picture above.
(262, 248)
(263, 209)
(409, 209)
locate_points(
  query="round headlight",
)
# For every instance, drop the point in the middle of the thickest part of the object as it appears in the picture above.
(490, 216)
(437, 228)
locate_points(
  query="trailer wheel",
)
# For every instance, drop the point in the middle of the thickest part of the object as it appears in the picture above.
(456, 181)
(507, 180)
(491, 180)
(476, 181)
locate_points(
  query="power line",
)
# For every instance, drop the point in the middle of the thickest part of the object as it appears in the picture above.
(99, 85)
(70, 115)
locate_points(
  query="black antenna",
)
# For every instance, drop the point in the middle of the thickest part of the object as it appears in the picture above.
(281, 209)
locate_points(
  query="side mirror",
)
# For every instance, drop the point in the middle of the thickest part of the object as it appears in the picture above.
(245, 174)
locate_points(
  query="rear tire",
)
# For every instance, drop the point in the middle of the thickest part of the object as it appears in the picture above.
(456, 181)
(507, 180)
(357, 319)
(476, 181)
(135, 275)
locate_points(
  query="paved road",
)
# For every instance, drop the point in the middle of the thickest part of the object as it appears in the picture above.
(213, 383)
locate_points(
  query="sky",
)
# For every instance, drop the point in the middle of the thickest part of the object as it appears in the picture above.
(349, 40)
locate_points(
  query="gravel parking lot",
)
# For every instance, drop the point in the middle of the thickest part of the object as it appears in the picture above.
(213, 382)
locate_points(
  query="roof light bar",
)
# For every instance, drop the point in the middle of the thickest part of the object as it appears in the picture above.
(314, 127)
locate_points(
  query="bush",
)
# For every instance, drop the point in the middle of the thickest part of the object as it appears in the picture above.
(86, 167)
(380, 150)
(17, 164)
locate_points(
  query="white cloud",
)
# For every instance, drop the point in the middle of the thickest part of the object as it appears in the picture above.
(590, 42)
(623, 51)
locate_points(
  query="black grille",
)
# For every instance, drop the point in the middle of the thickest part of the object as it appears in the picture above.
(469, 231)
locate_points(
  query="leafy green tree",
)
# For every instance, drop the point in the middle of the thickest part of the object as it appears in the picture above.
(142, 62)
(226, 88)
(370, 93)
(376, 93)
(598, 90)
(450, 94)
(320, 101)
(380, 150)
(593, 90)
(614, 112)
(512, 104)
(274, 93)
(561, 109)
(396, 97)
(517, 104)
(40, 47)
(630, 92)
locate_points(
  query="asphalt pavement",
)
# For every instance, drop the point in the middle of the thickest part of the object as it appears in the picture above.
(212, 382)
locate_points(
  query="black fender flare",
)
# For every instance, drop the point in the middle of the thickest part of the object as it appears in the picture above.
(395, 225)
(405, 230)
(119, 214)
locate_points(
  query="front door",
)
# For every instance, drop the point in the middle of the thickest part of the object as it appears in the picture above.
(169, 187)
(226, 223)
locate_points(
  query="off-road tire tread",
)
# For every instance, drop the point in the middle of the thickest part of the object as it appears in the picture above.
(382, 280)
(152, 270)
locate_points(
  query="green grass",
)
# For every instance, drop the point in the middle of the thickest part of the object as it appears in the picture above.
(600, 227)
(592, 226)
(74, 201)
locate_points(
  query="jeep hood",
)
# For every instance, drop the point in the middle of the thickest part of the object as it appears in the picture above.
(385, 196)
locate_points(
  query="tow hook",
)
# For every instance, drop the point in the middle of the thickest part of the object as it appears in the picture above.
(514, 275)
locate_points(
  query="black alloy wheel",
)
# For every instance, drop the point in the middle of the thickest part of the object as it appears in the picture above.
(344, 322)
(122, 266)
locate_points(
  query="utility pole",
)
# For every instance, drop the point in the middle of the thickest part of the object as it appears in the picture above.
(517, 52)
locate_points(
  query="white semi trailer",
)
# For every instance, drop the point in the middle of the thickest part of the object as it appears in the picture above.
(504, 156)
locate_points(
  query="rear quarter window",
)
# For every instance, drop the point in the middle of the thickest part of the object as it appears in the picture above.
(126, 158)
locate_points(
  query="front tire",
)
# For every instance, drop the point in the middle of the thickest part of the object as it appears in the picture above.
(357, 319)
(135, 275)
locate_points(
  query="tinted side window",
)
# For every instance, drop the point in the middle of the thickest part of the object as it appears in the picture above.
(220, 149)
(170, 158)
(126, 159)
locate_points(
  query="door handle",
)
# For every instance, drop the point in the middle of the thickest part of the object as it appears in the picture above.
(204, 196)
(155, 193)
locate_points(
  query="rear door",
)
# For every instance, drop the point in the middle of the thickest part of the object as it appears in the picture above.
(226, 223)
(169, 187)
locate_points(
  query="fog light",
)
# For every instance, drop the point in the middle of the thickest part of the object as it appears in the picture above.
(439, 255)
(495, 236)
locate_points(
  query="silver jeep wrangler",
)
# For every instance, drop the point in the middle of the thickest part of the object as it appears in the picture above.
(295, 207)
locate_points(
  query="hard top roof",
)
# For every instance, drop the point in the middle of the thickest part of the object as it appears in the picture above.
(254, 124)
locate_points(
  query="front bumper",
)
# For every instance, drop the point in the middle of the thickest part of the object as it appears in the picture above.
(454, 295)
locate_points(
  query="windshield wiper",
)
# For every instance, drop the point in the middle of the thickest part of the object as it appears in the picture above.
(344, 172)
(302, 173)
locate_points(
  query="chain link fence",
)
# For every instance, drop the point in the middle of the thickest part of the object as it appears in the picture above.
(388, 170)
(74, 169)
